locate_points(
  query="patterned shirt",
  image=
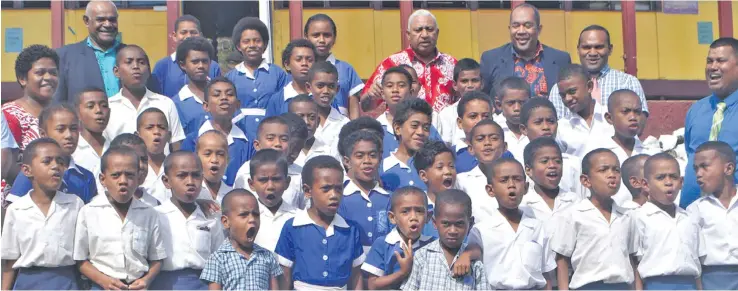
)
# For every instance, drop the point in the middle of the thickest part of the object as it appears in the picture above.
(106, 61)
(610, 80)
(431, 272)
(436, 77)
(23, 125)
(532, 71)
(235, 272)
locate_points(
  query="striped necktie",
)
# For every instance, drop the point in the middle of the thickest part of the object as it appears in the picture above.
(717, 121)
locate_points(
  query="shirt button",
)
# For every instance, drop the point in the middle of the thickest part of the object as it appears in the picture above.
(369, 234)
(325, 257)
(254, 89)
(325, 274)
(370, 218)
(412, 182)
(408, 170)
(369, 205)
(256, 119)
(325, 241)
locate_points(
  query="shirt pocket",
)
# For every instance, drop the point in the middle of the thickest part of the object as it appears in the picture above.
(140, 241)
(531, 256)
(201, 240)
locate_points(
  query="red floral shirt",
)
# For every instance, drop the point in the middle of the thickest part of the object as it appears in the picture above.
(22, 124)
(532, 72)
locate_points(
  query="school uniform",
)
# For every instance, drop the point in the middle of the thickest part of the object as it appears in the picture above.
(381, 260)
(473, 184)
(42, 245)
(154, 186)
(189, 108)
(572, 170)
(147, 199)
(319, 148)
(233, 271)
(86, 156)
(513, 259)
(76, 180)
(255, 88)
(328, 131)
(599, 249)
(395, 174)
(239, 148)
(349, 84)
(293, 195)
(222, 191)
(668, 248)
(123, 115)
(118, 248)
(534, 203)
(172, 77)
(271, 224)
(445, 123)
(279, 101)
(368, 210)
(188, 242)
(718, 224)
(390, 142)
(576, 132)
(325, 257)
(248, 119)
(465, 161)
(630, 205)
(515, 144)
(431, 271)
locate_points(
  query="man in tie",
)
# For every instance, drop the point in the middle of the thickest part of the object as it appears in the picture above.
(714, 117)
(594, 50)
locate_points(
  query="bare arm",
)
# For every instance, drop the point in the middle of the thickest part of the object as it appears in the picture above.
(287, 278)
(354, 107)
(145, 281)
(699, 283)
(638, 281)
(355, 281)
(214, 286)
(562, 271)
(274, 283)
(105, 281)
(8, 274)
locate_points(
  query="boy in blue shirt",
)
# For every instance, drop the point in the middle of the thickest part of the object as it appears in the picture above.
(435, 163)
(60, 123)
(297, 58)
(255, 79)
(472, 108)
(167, 70)
(330, 250)
(193, 56)
(389, 261)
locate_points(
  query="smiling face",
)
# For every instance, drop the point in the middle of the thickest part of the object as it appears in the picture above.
(102, 23)
(576, 92)
(323, 87)
(212, 149)
(604, 177)
(721, 70)
(94, 111)
(252, 46)
(184, 179)
(42, 80)
(474, 112)
(47, 167)
(664, 181)
(547, 168)
(524, 30)
(414, 132)
(409, 213)
(63, 127)
(441, 175)
(326, 191)
(487, 144)
(269, 182)
(594, 50)
(363, 162)
(222, 101)
(508, 185)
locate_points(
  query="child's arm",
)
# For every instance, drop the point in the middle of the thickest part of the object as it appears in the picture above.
(638, 281)
(287, 278)
(356, 281)
(462, 266)
(396, 278)
(274, 283)
(105, 281)
(214, 286)
(8, 274)
(549, 279)
(562, 271)
(354, 107)
(699, 283)
(145, 281)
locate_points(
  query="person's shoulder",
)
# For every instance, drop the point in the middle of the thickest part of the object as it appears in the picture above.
(555, 51)
(163, 61)
(71, 47)
(276, 69)
(497, 51)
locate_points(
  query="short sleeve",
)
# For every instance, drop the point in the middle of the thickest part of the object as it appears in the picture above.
(175, 125)
(217, 236)
(20, 188)
(565, 236)
(285, 248)
(81, 237)
(275, 270)
(355, 82)
(480, 276)
(282, 79)
(475, 237)
(10, 247)
(374, 263)
(8, 141)
(635, 244)
(413, 281)
(549, 256)
(213, 269)
(215, 69)
(156, 242)
(358, 255)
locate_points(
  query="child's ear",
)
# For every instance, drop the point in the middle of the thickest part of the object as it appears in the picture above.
(165, 180)
(729, 169)
(346, 162)
(306, 189)
(497, 104)
(590, 86)
(42, 132)
(523, 129)
(423, 176)
(392, 217)
(396, 127)
(205, 107)
(116, 72)
(225, 222)
(608, 117)
(256, 145)
(458, 122)
(584, 179)
(528, 171)
(287, 181)
(504, 146)
(307, 85)
(101, 178)
(490, 190)
(251, 183)
(26, 170)
(643, 183)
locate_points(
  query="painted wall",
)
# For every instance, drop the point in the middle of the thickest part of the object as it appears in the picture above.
(37, 31)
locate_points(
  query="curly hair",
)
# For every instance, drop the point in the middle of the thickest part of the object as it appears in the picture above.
(30, 55)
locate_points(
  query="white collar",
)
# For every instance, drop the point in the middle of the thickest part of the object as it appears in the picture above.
(651, 209)
(174, 56)
(185, 93)
(168, 207)
(610, 143)
(351, 188)
(391, 161)
(59, 198)
(460, 145)
(241, 68)
(496, 219)
(334, 115)
(598, 116)
(394, 237)
(148, 95)
(476, 172)
(302, 218)
(283, 208)
(82, 143)
(73, 165)
(533, 197)
(331, 59)
(382, 119)
(586, 205)
(289, 92)
(101, 200)
(235, 132)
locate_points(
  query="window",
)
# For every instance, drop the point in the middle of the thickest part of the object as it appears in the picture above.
(547, 4)
(495, 4)
(615, 5)
(146, 3)
(35, 4)
(431, 4)
(349, 4)
(6, 4)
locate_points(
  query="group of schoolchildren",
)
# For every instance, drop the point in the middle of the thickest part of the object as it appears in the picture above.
(257, 180)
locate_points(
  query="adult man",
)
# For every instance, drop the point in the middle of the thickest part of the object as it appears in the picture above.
(90, 62)
(594, 50)
(166, 70)
(713, 117)
(524, 56)
(434, 69)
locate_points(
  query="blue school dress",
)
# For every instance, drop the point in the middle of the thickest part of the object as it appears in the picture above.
(369, 212)
(189, 108)
(349, 84)
(395, 174)
(77, 180)
(172, 78)
(279, 102)
(381, 260)
(390, 142)
(466, 162)
(255, 89)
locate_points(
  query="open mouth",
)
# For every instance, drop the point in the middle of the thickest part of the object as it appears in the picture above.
(333, 205)
(251, 234)
(271, 197)
(414, 227)
(100, 120)
(448, 182)
(553, 175)
(367, 170)
(123, 190)
(612, 184)
(714, 77)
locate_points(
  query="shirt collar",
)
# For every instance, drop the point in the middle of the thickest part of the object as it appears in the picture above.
(73, 166)
(59, 198)
(586, 205)
(460, 145)
(334, 115)
(532, 197)
(394, 237)
(235, 132)
(241, 68)
(302, 218)
(731, 100)
(411, 55)
(392, 161)
(82, 143)
(382, 119)
(150, 95)
(114, 47)
(436, 248)
(102, 201)
(351, 188)
(331, 59)
(283, 208)
(539, 51)
(603, 72)
(476, 172)
(185, 93)
(289, 92)
(496, 219)
(173, 56)
(651, 209)
(227, 247)
(168, 207)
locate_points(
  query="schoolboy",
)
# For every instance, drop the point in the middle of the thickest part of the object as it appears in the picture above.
(167, 70)
(322, 234)
(305, 107)
(189, 235)
(435, 164)
(135, 143)
(668, 242)
(43, 217)
(467, 78)
(512, 93)
(221, 104)
(364, 123)
(115, 226)
(269, 179)
(323, 85)
(297, 58)
(544, 165)
(414, 82)
(472, 108)
(132, 68)
(154, 131)
(94, 113)
(212, 150)
(515, 247)
(632, 174)
(298, 132)
(487, 144)
(594, 237)
(412, 128)
(365, 202)
(60, 123)
(389, 261)
(193, 57)
(240, 263)
(714, 164)
(256, 79)
(431, 263)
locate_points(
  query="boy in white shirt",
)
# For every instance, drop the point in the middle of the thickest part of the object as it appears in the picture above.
(212, 150)
(632, 174)
(306, 108)
(544, 166)
(94, 114)
(512, 93)
(473, 107)
(154, 131)
(323, 85)
(135, 143)
(467, 78)
(668, 242)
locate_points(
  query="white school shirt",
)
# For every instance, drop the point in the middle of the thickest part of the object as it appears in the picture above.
(539, 208)
(147, 199)
(599, 249)
(513, 260)
(516, 145)
(272, 223)
(293, 195)
(445, 123)
(319, 148)
(719, 227)
(575, 131)
(222, 191)
(155, 186)
(37, 240)
(87, 157)
(123, 114)
(473, 184)
(188, 241)
(328, 132)
(118, 248)
(665, 245)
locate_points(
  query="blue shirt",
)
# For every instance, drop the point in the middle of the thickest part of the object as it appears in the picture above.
(233, 271)
(381, 260)
(171, 77)
(390, 142)
(240, 149)
(395, 174)
(320, 256)
(8, 141)
(368, 211)
(349, 84)
(189, 108)
(697, 131)
(279, 102)
(77, 180)
(106, 61)
(254, 90)
(466, 162)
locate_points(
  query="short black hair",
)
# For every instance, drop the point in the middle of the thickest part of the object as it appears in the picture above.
(398, 70)
(322, 67)
(126, 140)
(320, 17)
(616, 95)
(512, 83)
(28, 56)
(499, 162)
(587, 160)
(529, 153)
(469, 97)
(594, 27)
(410, 106)
(148, 111)
(31, 149)
(250, 23)
(215, 132)
(630, 168)
(465, 64)
(648, 166)
(535, 103)
(536, 14)
(483, 122)
(187, 18)
(197, 43)
(427, 154)
(453, 197)
(131, 46)
(237, 192)
(296, 126)
(347, 144)
(268, 156)
(726, 41)
(271, 120)
(724, 151)
(52, 109)
(572, 70)
(299, 99)
(216, 80)
(406, 191)
(287, 52)
(363, 123)
(85, 90)
(319, 162)
(169, 160)
(115, 151)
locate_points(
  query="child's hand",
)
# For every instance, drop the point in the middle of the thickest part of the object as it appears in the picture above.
(406, 263)
(114, 284)
(140, 284)
(208, 207)
(462, 266)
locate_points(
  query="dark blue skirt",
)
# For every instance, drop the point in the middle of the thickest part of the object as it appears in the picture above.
(720, 277)
(605, 286)
(40, 278)
(185, 279)
(670, 283)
